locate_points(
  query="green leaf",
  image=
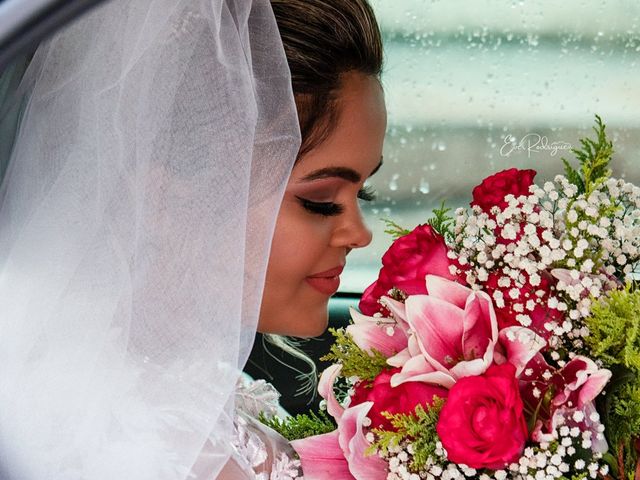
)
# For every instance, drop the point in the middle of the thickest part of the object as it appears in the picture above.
(356, 362)
(614, 339)
(419, 428)
(624, 424)
(614, 329)
(621, 376)
(573, 176)
(395, 230)
(300, 426)
(594, 157)
(442, 222)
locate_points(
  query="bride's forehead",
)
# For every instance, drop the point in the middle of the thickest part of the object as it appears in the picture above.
(352, 166)
(355, 140)
(361, 103)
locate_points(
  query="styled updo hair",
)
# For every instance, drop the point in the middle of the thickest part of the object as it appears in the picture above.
(323, 40)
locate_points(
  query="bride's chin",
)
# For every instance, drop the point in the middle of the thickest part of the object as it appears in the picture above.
(315, 325)
(309, 322)
(303, 319)
(313, 319)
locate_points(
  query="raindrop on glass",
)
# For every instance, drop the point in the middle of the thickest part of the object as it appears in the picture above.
(393, 184)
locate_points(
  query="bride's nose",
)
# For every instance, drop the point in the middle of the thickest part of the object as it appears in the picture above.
(351, 232)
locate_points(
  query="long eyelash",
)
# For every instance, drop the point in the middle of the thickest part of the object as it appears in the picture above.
(326, 209)
(367, 193)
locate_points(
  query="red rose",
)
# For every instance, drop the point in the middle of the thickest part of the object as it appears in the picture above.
(493, 189)
(406, 264)
(402, 399)
(541, 314)
(482, 423)
(369, 300)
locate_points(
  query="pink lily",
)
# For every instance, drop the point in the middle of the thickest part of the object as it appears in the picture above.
(341, 453)
(455, 330)
(325, 389)
(517, 345)
(381, 334)
(573, 388)
(322, 457)
(583, 382)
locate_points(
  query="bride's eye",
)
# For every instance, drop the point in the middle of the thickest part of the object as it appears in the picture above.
(326, 209)
(330, 209)
(367, 193)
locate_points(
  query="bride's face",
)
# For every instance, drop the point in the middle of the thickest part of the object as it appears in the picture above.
(320, 220)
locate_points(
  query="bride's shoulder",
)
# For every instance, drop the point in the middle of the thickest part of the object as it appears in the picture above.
(259, 449)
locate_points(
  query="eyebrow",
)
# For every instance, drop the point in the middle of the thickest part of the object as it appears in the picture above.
(341, 172)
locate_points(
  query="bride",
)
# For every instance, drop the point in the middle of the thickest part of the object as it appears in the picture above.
(177, 181)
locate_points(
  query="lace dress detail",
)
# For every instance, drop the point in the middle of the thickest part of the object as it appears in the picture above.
(258, 449)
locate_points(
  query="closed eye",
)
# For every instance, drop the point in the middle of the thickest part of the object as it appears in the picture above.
(367, 193)
(331, 209)
(326, 209)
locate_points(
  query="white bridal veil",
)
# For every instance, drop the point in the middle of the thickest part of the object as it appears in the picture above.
(136, 214)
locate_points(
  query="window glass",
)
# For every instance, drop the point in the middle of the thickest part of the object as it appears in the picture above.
(473, 88)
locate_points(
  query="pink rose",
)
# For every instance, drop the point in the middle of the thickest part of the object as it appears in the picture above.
(493, 189)
(401, 399)
(482, 423)
(405, 265)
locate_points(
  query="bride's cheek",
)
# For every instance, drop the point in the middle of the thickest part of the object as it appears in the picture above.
(299, 244)
(288, 253)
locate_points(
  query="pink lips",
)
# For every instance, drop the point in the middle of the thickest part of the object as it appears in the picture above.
(327, 282)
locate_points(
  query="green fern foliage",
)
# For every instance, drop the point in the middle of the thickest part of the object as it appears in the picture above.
(442, 222)
(627, 406)
(419, 427)
(622, 428)
(614, 339)
(614, 329)
(594, 157)
(355, 361)
(395, 230)
(300, 426)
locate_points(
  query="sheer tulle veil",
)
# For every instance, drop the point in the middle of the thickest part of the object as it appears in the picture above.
(136, 214)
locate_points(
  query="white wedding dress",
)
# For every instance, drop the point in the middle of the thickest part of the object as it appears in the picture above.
(259, 452)
(151, 154)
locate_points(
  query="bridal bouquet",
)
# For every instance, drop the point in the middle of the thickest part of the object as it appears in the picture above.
(500, 342)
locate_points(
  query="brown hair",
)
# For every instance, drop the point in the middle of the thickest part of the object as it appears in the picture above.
(323, 40)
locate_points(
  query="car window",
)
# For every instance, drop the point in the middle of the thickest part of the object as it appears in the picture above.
(25, 23)
(467, 82)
